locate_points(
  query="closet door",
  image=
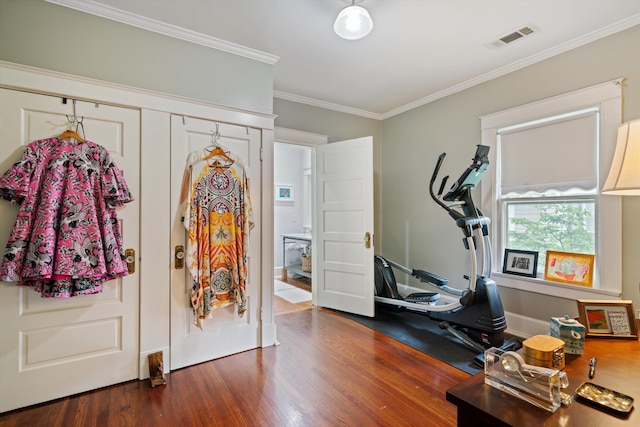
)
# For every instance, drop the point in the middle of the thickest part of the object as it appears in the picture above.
(51, 347)
(225, 333)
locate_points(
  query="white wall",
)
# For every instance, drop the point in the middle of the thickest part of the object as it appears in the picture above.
(290, 161)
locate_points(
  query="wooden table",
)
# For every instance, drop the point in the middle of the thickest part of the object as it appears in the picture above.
(618, 368)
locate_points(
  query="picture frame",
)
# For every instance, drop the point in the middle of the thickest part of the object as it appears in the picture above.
(569, 267)
(284, 193)
(521, 263)
(608, 319)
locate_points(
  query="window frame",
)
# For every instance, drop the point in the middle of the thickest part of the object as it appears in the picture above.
(607, 97)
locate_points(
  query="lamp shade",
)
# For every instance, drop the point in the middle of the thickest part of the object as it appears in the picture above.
(353, 23)
(624, 176)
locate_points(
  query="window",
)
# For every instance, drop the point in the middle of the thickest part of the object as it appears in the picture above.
(562, 224)
(548, 162)
(548, 183)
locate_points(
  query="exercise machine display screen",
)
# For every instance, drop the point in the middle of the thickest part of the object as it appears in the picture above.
(472, 176)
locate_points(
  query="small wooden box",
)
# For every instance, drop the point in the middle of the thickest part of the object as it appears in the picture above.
(156, 369)
(545, 351)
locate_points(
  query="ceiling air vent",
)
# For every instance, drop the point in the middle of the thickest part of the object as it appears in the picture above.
(516, 35)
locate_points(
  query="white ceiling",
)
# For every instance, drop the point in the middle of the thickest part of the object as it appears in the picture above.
(418, 51)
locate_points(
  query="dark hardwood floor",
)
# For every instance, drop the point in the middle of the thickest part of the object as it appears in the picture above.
(327, 371)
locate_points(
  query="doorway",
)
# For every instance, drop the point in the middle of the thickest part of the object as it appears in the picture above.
(292, 227)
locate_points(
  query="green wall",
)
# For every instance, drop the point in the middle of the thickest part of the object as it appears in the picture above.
(409, 227)
(416, 231)
(40, 34)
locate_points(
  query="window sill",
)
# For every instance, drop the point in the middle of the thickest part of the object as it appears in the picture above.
(545, 287)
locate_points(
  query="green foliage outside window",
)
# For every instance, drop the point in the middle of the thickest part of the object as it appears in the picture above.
(562, 226)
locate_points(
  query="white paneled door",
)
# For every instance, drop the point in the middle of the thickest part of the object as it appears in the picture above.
(225, 333)
(51, 347)
(343, 243)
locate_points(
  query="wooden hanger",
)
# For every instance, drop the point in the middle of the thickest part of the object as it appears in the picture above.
(218, 151)
(71, 134)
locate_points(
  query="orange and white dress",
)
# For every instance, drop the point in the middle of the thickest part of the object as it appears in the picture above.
(217, 214)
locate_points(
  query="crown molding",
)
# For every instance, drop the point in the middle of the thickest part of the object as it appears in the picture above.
(108, 12)
(556, 50)
(298, 137)
(94, 8)
(326, 105)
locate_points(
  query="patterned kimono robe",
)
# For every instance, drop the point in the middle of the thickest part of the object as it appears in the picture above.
(218, 217)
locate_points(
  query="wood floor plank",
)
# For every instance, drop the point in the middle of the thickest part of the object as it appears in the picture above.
(327, 371)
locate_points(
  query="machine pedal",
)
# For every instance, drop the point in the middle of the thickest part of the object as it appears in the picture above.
(423, 297)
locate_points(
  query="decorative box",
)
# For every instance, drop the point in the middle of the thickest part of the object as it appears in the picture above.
(570, 331)
(543, 350)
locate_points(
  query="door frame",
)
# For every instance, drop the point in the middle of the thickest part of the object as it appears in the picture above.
(304, 139)
(155, 255)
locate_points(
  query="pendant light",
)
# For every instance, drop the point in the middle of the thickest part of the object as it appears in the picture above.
(353, 22)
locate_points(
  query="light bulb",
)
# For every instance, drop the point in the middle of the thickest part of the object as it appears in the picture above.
(353, 22)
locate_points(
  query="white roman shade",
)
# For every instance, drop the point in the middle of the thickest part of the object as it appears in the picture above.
(560, 154)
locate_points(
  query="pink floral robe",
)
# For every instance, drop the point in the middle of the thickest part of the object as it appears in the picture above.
(66, 240)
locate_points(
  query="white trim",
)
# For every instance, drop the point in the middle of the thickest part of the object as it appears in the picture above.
(299, 137)
(608, 281)
(555, 105)
(108, 12)
(33, 79)
(525, 327)
(267, 314)
(556, 50)
(545, 287)
(326, 105)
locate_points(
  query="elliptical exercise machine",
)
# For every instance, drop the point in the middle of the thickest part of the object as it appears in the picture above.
(474, 315)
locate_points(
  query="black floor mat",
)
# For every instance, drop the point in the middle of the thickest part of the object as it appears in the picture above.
(423, 334)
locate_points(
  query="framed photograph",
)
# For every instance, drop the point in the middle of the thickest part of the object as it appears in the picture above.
(567, 267)
(522, 263)
(608, 319)
(284, 193)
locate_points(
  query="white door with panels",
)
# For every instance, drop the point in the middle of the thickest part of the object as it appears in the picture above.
(343, 251)
(53, 347)
(226, 332)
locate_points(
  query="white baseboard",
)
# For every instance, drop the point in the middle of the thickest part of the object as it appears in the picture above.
(525, 327)
(143, 372)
